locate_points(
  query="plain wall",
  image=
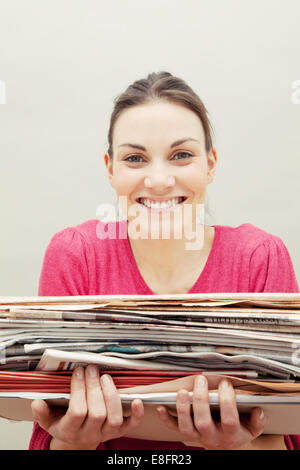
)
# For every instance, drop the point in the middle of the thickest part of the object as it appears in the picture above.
(64, 61)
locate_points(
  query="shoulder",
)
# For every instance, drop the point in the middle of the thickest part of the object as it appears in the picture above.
(85, 230)
(261, 258)
(247, 237)
(69, 260)
(88, 234)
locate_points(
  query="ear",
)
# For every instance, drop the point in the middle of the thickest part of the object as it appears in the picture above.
(109, 167)
(212, 159)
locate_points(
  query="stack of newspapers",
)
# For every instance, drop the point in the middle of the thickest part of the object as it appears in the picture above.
(152, 346)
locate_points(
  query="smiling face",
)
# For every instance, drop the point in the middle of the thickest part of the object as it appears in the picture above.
(159, 155)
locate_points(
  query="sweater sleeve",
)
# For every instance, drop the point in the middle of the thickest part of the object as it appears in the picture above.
(271, 268)
(40, 439)
(64, 272)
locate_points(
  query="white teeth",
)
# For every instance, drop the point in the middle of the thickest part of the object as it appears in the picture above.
(160, 205)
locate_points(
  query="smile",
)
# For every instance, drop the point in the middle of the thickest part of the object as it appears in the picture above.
(161, 205)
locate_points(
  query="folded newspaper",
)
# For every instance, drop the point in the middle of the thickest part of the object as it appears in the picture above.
(143, 340)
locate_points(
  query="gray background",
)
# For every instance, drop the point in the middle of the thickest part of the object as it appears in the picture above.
(63, 63)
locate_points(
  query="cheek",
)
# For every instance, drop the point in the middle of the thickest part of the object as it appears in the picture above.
(197, 182)
(124, 182)
(194, 178)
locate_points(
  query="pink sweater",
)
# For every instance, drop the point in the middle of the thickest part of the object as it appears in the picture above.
(78, 262)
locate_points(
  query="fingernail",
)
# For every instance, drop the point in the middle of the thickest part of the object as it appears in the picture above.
(92, 371)
(105, 379)
(201, 381)
(262, 415)
(225, 385)
(79, 373)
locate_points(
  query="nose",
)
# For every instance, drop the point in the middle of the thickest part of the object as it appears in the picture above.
(159, 181)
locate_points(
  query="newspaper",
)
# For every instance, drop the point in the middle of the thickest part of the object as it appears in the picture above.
(53, 359)
(260, 331)
(252, 321)
(280, 300)
(255, 336)
(165, 398)
(281, 409)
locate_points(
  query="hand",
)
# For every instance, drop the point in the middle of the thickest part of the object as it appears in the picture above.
(202, 431)
(94, 414)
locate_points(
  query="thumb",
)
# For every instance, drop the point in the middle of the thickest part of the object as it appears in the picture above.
(40, 411)
(258, 422)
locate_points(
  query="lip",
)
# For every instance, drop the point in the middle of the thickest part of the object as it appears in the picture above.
(159, 199)
(164, 209)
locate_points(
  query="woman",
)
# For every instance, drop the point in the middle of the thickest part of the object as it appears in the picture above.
(160, 161)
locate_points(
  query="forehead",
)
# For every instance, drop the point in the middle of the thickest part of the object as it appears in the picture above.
(160, 120)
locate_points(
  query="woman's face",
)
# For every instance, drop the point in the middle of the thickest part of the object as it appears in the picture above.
(151, 163)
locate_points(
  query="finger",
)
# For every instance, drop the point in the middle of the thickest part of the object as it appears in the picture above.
(114, 411)
(41, 413)
(183, 407)
(77, 410)
(257, 423)
(96, 413)
(192, 443)
(44, 414)
(230, 420)
(137, 413)
(202, 415)
(166, 418)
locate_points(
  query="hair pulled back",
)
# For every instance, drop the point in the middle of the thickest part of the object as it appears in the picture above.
(161, 86)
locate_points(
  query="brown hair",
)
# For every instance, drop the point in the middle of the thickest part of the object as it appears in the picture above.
(160, 86)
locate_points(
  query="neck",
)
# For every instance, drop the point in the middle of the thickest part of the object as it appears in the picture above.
(167, 260)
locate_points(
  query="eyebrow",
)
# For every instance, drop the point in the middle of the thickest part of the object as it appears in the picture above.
(177, 142)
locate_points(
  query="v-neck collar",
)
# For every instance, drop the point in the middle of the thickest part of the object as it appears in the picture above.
(195, 288)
